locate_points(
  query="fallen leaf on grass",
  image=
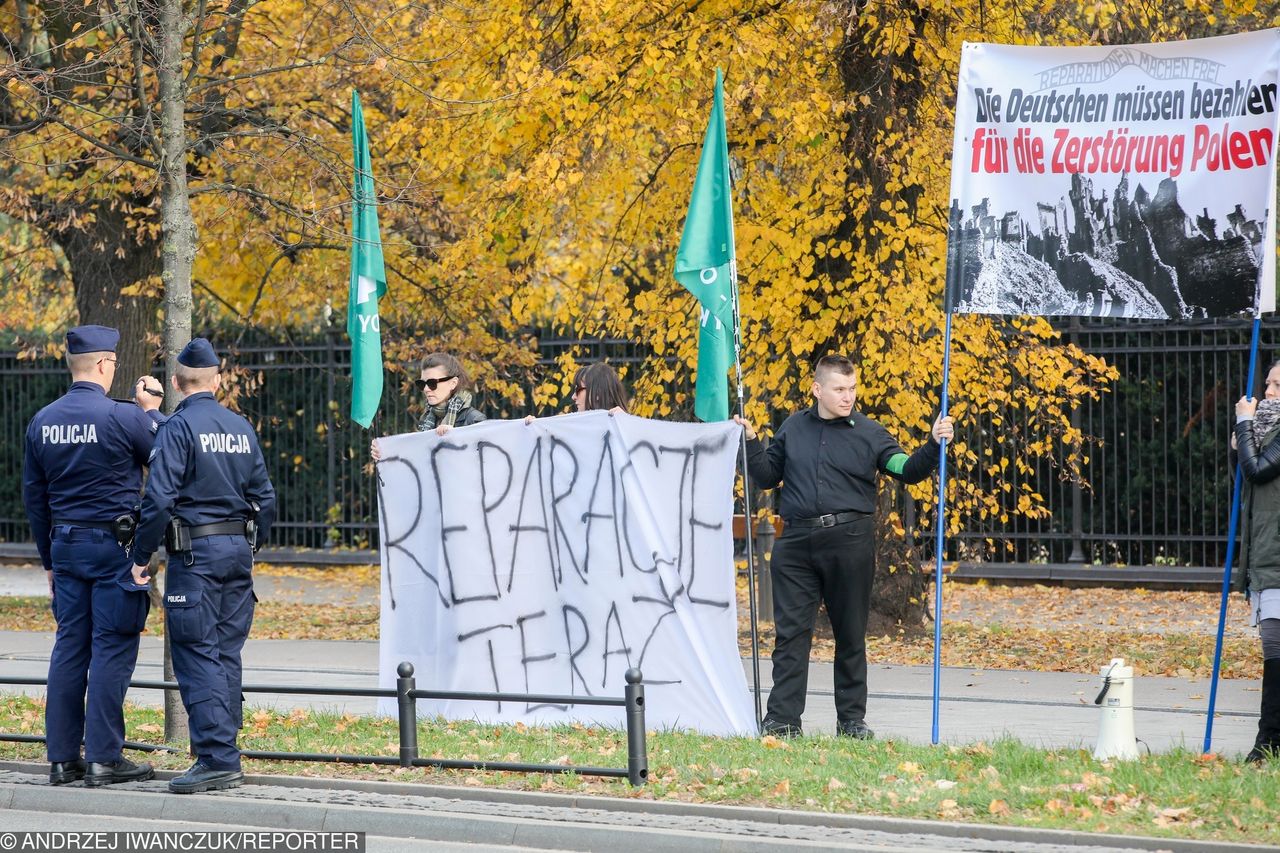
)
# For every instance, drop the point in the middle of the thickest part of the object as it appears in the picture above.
(834, 784)
(782, 788)
(1168, 817)
(261, 719)
(998, 808)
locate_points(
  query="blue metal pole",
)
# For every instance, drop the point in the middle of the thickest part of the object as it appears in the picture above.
(1232, 526)
(942, 529)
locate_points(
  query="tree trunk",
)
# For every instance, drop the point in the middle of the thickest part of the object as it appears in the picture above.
(892, 82)
(900, 595)
(179, 247)
(106, 257)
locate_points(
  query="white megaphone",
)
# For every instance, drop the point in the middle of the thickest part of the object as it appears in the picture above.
(1116, 738)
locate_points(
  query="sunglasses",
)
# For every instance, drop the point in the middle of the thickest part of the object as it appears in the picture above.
(580, 389)
(431, 383)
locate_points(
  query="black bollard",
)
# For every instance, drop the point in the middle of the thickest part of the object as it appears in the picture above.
(637, 753)
(407, 711)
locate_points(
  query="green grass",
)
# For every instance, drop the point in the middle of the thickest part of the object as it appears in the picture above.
(1177, 794)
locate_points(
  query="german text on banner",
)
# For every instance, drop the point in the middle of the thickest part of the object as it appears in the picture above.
(548, 558)
(1122, 181)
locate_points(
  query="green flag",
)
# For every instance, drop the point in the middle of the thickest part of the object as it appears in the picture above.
(705, 266)
(368, 280)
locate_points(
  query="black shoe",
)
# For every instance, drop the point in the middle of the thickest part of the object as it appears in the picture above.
(777, 728)
(1267, 744)
(116, 772)
(201, 777)
(857, 729)
(65, 772)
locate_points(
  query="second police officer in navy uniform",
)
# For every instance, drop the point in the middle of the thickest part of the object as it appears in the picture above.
(82, 475)
(208, 495)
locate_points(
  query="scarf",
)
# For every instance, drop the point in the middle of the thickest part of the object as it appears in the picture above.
(1265, 419)
(446, 413)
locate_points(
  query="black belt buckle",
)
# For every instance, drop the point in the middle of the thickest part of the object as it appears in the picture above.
(828, 520)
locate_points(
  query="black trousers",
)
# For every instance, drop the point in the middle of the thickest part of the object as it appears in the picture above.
(835, 565)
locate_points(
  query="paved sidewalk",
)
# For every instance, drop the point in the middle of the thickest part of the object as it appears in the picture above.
(1041, 708)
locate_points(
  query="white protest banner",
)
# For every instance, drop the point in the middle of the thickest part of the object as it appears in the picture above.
(1128, 181)
(550, 557)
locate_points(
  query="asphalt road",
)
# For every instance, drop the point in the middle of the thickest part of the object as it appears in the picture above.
(512, 820)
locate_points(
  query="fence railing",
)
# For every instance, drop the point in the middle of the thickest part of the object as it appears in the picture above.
(1159, 484)
(406, 694)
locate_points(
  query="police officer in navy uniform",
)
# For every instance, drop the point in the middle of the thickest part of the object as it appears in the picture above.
(83, 472)
(208, 496)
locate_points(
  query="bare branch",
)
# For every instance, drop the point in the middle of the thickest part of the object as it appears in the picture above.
(113, 150)
(220, 82)
(196, 42)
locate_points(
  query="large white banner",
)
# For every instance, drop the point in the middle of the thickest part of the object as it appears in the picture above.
(548, 558)
(1127, 181)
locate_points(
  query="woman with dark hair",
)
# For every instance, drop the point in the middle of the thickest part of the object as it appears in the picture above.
(445, 384)
(597, 386)
(1257, 440)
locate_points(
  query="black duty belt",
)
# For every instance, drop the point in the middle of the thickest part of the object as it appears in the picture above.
(217, 528)
(92, 525)
(830, 520)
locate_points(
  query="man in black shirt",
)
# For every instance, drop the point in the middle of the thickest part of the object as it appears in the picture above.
(827, 458)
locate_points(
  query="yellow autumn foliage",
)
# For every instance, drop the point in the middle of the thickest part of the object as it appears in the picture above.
(534, 161)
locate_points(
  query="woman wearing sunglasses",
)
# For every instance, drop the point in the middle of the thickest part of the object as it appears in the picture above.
(445, 384)
(595, 387)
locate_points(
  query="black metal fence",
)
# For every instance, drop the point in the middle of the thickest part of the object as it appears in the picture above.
(406, 694)
(317, 458)
(1159, 480)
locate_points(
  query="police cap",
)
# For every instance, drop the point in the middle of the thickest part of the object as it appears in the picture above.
(198, 353)
(92, 339)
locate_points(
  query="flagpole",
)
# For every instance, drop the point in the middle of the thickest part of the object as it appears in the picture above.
(746, 480)
(1232, 526)
(742, 413)
(746, 503)
(942, 528)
